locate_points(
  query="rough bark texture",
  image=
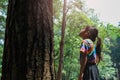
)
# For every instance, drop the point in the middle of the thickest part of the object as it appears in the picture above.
(28, 48)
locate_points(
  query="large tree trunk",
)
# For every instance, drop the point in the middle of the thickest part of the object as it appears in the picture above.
(28, 48)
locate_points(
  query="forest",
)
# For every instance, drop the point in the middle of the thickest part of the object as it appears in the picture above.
(77, 17)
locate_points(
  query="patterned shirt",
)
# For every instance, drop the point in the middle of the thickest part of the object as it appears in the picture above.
(87, 47)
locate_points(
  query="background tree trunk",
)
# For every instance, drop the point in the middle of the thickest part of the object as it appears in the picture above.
(28, 48)
(59, 74)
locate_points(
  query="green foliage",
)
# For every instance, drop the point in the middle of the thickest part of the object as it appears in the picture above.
(105, 67)
(78, 18)
(3, 12)
(92, 15)
(57, 4)
(1, 53)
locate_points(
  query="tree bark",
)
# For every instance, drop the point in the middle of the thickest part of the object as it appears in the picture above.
(28, 48)
(59, 74)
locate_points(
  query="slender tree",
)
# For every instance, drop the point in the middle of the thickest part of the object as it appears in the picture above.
(28, 48)
(59, 74)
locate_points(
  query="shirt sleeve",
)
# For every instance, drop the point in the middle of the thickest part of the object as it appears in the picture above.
(85, 47)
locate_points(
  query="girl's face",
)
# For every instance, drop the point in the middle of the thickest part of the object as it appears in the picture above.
(83, 33)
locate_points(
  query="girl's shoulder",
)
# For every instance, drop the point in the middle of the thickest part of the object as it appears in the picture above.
(87, 46)
(87, 42)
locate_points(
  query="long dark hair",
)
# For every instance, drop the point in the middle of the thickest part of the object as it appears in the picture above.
(98, 48)
(93, 35)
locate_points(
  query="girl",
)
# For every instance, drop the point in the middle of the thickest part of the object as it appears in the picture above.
(90, 53)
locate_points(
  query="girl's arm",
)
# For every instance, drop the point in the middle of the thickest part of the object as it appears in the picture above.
(82, 66)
